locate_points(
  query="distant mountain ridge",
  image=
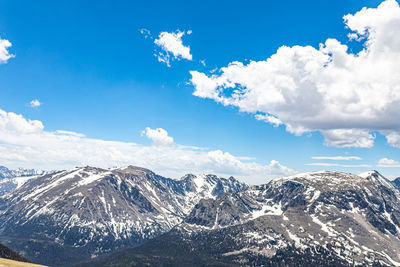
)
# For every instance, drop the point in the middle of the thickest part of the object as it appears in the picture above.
(310, 219)
(13, 179)
(20, 172)
(71, 216)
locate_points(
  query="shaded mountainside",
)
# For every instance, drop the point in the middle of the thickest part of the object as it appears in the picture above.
(75, 215)
(7, 253)
(312, 219)
(8, 185)
(396, 182)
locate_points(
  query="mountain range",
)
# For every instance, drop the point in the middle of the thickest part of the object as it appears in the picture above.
(20, 172)
(71, 216)
(310, 219)
(131, 216)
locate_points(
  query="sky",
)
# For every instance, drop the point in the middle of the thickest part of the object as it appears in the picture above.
(252, 89)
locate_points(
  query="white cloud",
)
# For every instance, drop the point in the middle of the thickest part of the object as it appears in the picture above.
(268, 118)
(348, 138)
(25, 143)
(172, 47)
(337, 157)
(385, 162)
(146, 33)
(11, 123)
(339, 165)
(343, 95)
(4, 54)
(35, 103)
(393, 138)
(61, 132)
(159, 136)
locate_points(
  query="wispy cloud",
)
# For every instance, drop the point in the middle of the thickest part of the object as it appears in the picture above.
(146, 33)
(66, 133)
(337, 158)
(339, 165)
(387, 163)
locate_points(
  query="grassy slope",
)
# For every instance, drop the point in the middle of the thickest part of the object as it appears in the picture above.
(11, 263)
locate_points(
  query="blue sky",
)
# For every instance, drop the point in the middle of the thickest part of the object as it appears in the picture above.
(95, 73)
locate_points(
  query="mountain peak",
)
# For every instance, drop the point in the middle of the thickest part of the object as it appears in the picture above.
(188, 176)
(134, 170)
(375, 176)
(324, 180)
(370, 173)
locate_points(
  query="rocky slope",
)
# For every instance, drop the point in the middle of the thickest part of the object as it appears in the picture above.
(73, 215)
(312, 219)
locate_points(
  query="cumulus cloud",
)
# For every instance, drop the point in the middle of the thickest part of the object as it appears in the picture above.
(25, 142)
(159, 136)
(172, 47)
(385, 162)
(35, 103)
(11, 123)
(337, 157)
(4, 54)
(346, 96)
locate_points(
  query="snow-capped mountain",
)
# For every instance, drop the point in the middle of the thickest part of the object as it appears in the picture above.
(73, 215)
(311, 219)
(13, 179)
(20, 172)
